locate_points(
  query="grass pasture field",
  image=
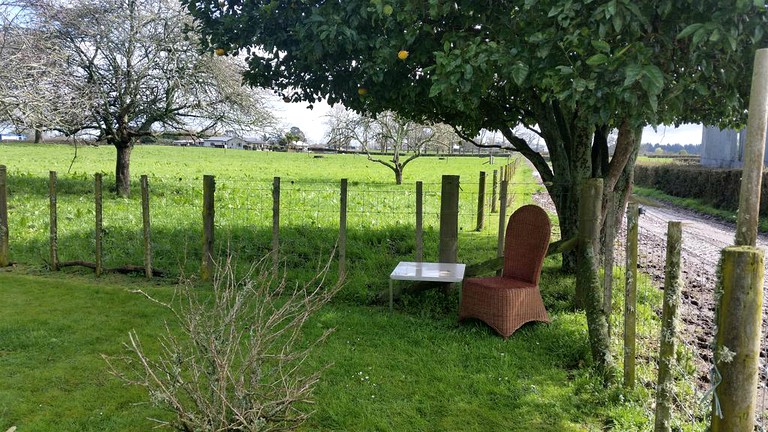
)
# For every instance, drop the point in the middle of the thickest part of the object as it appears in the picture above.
(414, 369)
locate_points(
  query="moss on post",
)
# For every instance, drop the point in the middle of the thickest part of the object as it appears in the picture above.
(737, 342)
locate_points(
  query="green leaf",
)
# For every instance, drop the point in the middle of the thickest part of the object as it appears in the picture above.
(653, 79)
(759, 3)
(632, 73)
(601, 46)
(468, 71)
(519, 73)
(597, 59)
(689, 30)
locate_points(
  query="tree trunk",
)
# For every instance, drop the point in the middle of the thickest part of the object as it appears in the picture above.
(38, 136)
(123, 169)
(398, 175)
(621, 186)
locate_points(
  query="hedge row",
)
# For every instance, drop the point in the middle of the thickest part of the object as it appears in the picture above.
(716, 187)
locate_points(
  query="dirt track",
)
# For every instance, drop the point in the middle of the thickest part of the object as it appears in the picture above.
(703, 240)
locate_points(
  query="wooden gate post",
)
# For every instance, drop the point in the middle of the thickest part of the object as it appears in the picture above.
(737, 342)
(630, 296)
(4, 248)
(669, 316)
(146, 226)
(209, 214)
(54, 225)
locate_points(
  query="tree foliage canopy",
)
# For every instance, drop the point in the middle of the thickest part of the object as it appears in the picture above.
(477, 64)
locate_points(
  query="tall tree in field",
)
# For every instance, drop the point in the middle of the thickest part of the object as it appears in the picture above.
(569, 71)
(387, 139)
(144, 72)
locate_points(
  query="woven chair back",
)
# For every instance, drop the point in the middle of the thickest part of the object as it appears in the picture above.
(525, 243)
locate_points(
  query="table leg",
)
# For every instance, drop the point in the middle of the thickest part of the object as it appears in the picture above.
(390, 295)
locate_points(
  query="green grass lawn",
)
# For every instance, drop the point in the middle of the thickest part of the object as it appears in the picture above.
(389, 372)
(414, 369)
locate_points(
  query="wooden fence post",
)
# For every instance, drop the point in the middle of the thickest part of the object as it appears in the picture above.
(449, 219)
(481, 203)
(99, 222)
(737, 342)
(502, 217)
(630, 297)
(147, 226)
(610, 235)
(4, 247)
(275, 224)
(54, 225)
(209, 214)
(343, 230)
(666, 383)
(449, 222)
(419, 221)
(494, 191)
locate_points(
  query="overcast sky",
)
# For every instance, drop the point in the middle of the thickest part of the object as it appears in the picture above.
(312, 123)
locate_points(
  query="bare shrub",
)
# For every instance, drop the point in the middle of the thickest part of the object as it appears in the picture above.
(235, 361)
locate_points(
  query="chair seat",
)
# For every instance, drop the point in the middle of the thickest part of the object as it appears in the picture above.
(504, 304)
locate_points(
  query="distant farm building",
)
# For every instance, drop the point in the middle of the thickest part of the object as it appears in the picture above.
(13, 137)
(229, 142)
(723, 148)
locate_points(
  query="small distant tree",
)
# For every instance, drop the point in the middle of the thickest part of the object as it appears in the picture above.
(235, 358)
(388, 134)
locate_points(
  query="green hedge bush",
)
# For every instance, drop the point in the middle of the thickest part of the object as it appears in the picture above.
(716, 187)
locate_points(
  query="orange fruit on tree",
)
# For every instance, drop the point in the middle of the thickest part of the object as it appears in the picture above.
(220, 51)
(362, 91)
(403, 54)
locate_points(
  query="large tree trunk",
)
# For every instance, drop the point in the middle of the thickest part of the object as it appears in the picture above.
(38, 136)
(123, 169)
(398, 175)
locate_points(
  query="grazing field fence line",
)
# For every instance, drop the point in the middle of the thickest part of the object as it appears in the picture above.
(66, 221)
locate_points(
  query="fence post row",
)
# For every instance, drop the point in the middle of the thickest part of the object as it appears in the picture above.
(99, 212)
(54, 228)
(630, 296)
(146, 225)
(209, 188)
(666, 382)
(4, 259)
(502, 217)
(481, 203)
(419, 221)
(343, 230)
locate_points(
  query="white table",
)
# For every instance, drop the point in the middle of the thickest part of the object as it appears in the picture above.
(426, 272)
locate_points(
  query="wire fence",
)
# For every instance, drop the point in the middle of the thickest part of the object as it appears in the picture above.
(381, 222)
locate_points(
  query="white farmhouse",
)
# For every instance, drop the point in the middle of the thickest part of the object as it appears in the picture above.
(224, 142)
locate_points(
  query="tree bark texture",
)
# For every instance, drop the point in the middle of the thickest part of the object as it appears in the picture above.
(588, 279)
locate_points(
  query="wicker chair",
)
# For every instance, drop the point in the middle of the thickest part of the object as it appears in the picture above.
(507, 302)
